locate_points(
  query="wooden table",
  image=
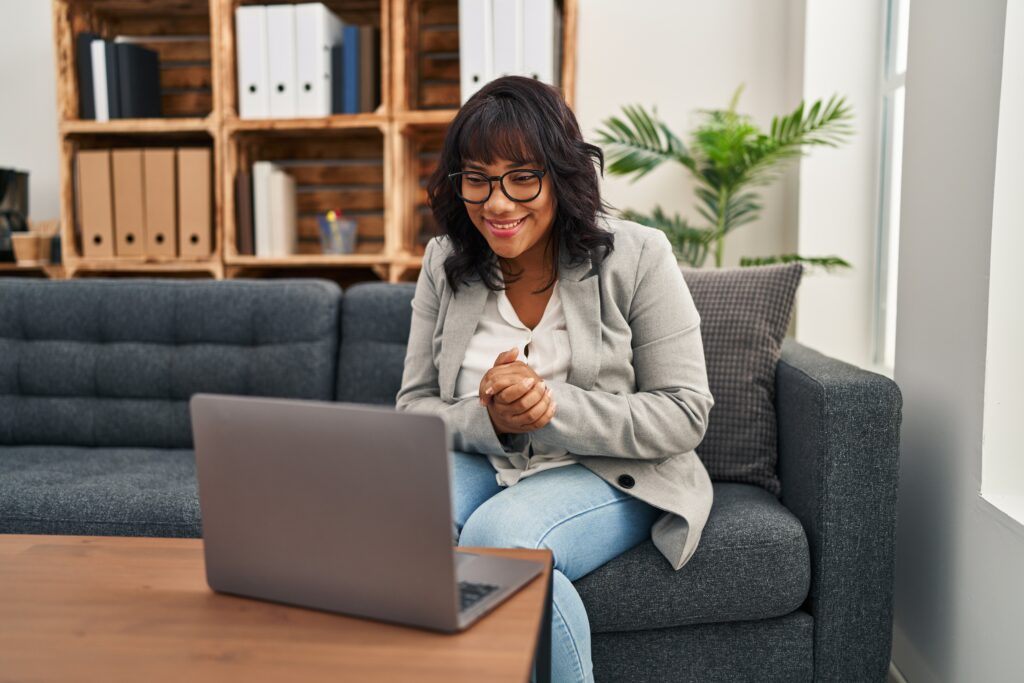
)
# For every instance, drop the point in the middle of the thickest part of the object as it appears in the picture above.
(138, 609)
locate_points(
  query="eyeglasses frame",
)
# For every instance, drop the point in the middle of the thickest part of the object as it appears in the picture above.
(501, 183)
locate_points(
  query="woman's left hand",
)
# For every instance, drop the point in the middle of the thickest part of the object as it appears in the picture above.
(502, 381)
(515, 395)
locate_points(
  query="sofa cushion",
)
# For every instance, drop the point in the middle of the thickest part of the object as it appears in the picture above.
(744, 314)
(103, 363)
(752, 563)
(375, 320)
(98, 491)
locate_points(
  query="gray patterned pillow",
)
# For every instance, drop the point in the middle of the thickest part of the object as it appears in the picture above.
(744, 315)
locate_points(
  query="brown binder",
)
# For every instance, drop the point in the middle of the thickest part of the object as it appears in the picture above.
(161, 202)
(194, 207)
(95, 203)
(129, 214)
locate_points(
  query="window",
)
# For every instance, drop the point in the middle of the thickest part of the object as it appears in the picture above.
(887, 245)
(1002, 467)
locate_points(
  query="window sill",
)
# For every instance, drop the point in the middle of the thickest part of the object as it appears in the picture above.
(1005, 508)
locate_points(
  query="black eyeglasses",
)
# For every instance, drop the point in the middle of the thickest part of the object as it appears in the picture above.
(475, 187)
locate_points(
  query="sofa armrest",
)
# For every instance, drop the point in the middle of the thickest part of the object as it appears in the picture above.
(839, 430)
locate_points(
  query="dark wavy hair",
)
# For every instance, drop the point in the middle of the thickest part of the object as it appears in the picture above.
(514, 117)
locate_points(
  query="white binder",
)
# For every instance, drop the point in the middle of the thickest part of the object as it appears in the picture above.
(283, 212)
(261, 172)
(253, 65)
(317, 30)
(98, 50)
(476, 55)
(507, 21)
(281, 52)
(542, 40)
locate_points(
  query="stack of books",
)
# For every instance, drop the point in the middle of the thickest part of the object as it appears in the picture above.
(508, 38)
(267, 212)
(299, 61)
(116, 79)
(153, 202)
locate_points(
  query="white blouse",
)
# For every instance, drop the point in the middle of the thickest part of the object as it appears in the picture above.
(545, 349)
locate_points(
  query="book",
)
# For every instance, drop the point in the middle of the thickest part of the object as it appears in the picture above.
(261, 171)
(244, 237)
(283, 212)
(350, 69)
(369, 76)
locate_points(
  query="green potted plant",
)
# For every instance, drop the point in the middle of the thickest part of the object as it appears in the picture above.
(728, 156)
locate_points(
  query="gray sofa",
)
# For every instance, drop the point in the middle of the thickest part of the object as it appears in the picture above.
(95, 377)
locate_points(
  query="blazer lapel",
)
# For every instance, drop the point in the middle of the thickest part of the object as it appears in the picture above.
(464, 311)
(581, 304)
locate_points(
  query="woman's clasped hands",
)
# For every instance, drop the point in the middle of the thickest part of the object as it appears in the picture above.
(516, 397)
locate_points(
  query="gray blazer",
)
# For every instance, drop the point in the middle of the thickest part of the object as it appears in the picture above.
(636, 401)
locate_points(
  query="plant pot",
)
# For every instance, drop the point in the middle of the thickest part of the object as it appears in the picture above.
(30, 249)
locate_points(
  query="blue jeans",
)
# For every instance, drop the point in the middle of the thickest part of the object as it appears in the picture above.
(583, 520)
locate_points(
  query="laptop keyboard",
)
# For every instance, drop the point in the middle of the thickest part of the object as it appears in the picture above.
(471, 593)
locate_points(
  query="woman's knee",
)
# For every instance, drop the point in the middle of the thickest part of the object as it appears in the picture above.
(499, 524)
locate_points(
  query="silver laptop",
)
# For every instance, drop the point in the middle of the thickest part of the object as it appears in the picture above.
(340, 507)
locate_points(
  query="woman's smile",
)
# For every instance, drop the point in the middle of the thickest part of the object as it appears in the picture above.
(504, 227)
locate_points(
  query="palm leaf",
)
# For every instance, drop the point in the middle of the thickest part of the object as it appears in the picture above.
(690, 244)
(825, 124)
(827, 262)
(640, 144)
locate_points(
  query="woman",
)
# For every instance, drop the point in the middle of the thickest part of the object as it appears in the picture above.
(563, 351)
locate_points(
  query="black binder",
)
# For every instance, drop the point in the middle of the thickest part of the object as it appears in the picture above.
(139, 81)
(337, 82)
(113, 81)
(83, 68)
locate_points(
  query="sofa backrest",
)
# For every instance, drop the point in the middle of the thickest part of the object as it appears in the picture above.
(112, 363)
(375, 320)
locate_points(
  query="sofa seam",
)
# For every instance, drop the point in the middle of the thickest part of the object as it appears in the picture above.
(92, 521)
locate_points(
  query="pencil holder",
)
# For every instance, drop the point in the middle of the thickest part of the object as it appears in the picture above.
(337, 235)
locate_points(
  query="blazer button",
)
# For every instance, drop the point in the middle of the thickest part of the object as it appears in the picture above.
(626, 481)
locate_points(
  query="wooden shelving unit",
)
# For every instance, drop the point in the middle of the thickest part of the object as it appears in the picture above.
(373, 164)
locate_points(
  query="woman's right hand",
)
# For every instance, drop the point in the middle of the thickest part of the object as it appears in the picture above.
(520, 401)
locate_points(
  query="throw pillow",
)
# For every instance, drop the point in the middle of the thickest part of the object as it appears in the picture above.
(744, 316)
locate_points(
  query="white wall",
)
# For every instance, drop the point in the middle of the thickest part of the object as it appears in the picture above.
(838, 189)
(28, 112)
(959, 564)
(683, 56)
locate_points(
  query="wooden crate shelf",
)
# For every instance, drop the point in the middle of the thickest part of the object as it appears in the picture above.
(135, 126)
(46, 270)
(339, 122)
(374, 164)
(152, 268)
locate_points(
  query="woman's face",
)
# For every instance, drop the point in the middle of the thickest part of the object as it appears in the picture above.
(517, 231)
